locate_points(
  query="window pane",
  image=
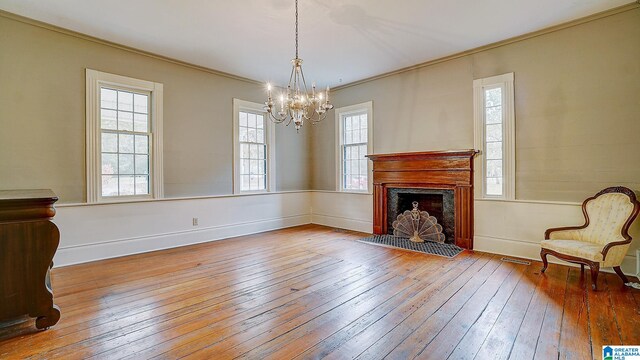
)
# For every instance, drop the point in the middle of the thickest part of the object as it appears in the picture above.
(140, 103)
(356, 136)
(355, 122)
(348, 137)
(494, 132)
(494, 151)
(109, 185)
(363, 121)
(255, 182)
(244, 151)
(140, 123)
(494, 186)
(262, 167)
(261, 151)
(243, 119)
(363, 151)
(244, 182)
(347, 123)
(251, 120)
(109, 163)
(125, 121)
(243, 134)
(108, 98)
(126, 186)
(251, 135)
(125, 164)
(109, 120)
(494, 115)
(142, 164)
(142, 144)
(253, 151)
(254, 167)
(125, 143)
(494, 168)
(493, 97)
(260, 137)
(363, 135)
(142, 185)
(109, 142)
(260, 121)
(125, 101)
(363, 167)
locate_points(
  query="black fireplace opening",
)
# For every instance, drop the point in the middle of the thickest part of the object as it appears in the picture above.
(437, 202)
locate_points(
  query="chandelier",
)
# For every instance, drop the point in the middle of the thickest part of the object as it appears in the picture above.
(297, 105)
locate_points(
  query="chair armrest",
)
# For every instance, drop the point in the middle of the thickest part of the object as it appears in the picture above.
(547, 233)
(608, 246)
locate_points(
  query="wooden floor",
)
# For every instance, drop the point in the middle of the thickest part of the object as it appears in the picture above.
(314, 292)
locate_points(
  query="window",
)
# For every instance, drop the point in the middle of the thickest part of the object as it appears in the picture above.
(124, 124)
(354, 134)
(495, 134)
(254, 148)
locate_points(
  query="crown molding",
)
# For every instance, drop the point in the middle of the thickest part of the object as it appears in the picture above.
(617, 10)
(75, 34)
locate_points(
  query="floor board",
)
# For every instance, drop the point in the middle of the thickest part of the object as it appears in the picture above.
(313, 292)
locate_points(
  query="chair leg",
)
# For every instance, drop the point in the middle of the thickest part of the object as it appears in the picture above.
(595, 269)
(545, 263)
(621, 274)
(581, 268)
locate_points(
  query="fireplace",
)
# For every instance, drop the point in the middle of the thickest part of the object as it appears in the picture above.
(440, 181)
(437, 202)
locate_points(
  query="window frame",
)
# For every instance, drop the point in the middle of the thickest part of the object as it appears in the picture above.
(269, 137)
(506, 83)
(94, 81)
(340, 113)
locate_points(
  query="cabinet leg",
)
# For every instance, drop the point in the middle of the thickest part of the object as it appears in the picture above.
(46, 321)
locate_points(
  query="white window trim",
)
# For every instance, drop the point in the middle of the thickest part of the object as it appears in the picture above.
(270, 137)
(505, 82)
(95, 79)
(339, 113)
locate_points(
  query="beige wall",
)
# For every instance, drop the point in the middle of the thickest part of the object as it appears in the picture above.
(42, 116)
(577, 109)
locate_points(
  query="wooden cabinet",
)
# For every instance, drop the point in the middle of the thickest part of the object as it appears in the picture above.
(28, 241)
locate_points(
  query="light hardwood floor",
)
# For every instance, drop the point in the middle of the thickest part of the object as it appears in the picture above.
(314, 292)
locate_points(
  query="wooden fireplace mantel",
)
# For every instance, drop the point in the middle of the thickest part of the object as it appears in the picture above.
(452, 169)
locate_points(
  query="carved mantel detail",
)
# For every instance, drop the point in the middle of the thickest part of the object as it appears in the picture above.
(451, 170)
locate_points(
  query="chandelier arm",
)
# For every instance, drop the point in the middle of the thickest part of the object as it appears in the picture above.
(277, 120)
(304, 83)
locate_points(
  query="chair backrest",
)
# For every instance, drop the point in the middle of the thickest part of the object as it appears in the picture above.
(609, 214)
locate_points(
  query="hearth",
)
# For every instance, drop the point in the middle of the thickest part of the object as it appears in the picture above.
(437, 202)
(440, 181)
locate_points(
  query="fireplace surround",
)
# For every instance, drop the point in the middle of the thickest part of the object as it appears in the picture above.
(439, 180)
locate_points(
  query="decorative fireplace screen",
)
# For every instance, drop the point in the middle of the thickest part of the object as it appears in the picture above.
(418, 226)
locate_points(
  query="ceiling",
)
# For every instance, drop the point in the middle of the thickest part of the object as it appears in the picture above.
(341, 41)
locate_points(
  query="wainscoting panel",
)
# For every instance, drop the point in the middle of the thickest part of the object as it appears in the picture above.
(515, 228)
(351, 211)
(100, 231)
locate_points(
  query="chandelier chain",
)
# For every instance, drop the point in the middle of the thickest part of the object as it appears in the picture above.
(296, 29)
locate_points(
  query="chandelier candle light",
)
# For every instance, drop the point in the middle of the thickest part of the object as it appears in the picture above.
(297, 104)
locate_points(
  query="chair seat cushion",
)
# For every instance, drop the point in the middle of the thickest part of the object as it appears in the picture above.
(581, 249)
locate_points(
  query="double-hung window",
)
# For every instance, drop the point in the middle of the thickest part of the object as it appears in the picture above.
(354, 136)
(253, 148)
(124, 123)
(495, 134)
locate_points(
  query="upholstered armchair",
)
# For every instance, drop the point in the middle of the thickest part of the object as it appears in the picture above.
(603, 240)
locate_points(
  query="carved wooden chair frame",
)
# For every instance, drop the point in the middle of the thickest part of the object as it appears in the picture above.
(594, 265)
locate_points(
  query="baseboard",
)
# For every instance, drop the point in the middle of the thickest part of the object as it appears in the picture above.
(343, 222)
(71, 255)
(531, 251)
